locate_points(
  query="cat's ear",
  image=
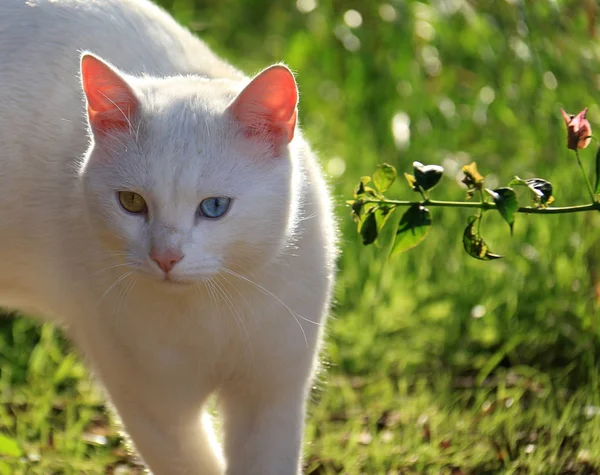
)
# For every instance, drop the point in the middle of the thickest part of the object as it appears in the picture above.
(111, 104)
(267, 106)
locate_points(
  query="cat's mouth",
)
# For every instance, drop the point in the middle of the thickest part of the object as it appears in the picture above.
(183, 281)
(166, 279)
(178, 279)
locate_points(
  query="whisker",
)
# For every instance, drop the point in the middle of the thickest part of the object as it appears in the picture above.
(123, 293)
(236, 316)
(251, 359)
(119, 279)
(210, 286)
(241, 296)
(122, 264)
(269, 293)
(98, 254)
(121, 298)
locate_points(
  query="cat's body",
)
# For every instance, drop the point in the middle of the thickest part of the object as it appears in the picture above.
(245, 314)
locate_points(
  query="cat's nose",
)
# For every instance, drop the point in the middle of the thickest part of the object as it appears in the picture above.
(167, 259)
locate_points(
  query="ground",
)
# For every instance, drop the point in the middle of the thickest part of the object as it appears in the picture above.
(434, 362)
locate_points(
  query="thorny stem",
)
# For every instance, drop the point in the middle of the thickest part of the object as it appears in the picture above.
(587, 180)
(595, 206)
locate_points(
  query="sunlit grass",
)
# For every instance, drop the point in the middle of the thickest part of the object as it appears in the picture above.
(436, 363)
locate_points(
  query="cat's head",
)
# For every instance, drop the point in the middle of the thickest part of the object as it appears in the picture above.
(188, 177)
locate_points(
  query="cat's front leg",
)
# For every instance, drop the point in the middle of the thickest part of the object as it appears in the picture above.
(160, 403)
(264, 432)
(173, 443)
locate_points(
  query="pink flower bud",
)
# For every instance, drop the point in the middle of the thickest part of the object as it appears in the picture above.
(579, 130)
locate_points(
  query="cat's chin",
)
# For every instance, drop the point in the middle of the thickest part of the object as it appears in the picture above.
(176, 282)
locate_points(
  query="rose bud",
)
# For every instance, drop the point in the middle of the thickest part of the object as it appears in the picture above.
(579, 130)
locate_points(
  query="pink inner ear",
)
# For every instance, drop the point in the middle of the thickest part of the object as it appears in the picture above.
(111, 102)
(267, 106)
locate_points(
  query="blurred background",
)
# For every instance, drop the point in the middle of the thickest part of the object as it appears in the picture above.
(435, 362)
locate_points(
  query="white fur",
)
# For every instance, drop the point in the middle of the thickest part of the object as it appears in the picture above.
(71, 255)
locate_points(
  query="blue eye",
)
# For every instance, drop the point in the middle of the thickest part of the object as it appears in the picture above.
(214, 207)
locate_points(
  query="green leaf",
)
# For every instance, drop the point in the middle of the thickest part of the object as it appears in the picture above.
(427, 176)
(412, 229)
(507, 203)
(360, 188)
(9, 447)
(541, 189)
(357, 209)
(382, 214)
(597, 187)
(362, 191)
(384, 176)
(368, 229)
(474, 244)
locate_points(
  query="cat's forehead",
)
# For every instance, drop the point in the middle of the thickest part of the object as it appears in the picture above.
(186, 141)
(184, 146)
(183, 113)
(192, 92)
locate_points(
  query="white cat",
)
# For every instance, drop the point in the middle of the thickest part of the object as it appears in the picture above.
(166, 211)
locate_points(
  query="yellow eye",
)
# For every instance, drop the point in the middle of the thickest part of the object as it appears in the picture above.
(132, 202)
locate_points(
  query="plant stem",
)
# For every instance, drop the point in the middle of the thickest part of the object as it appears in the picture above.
(587, 180)
(486, 206)
(480, 211)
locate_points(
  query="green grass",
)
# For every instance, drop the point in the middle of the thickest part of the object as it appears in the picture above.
(436, 363)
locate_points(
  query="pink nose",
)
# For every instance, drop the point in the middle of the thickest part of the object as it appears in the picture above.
(166, 260)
